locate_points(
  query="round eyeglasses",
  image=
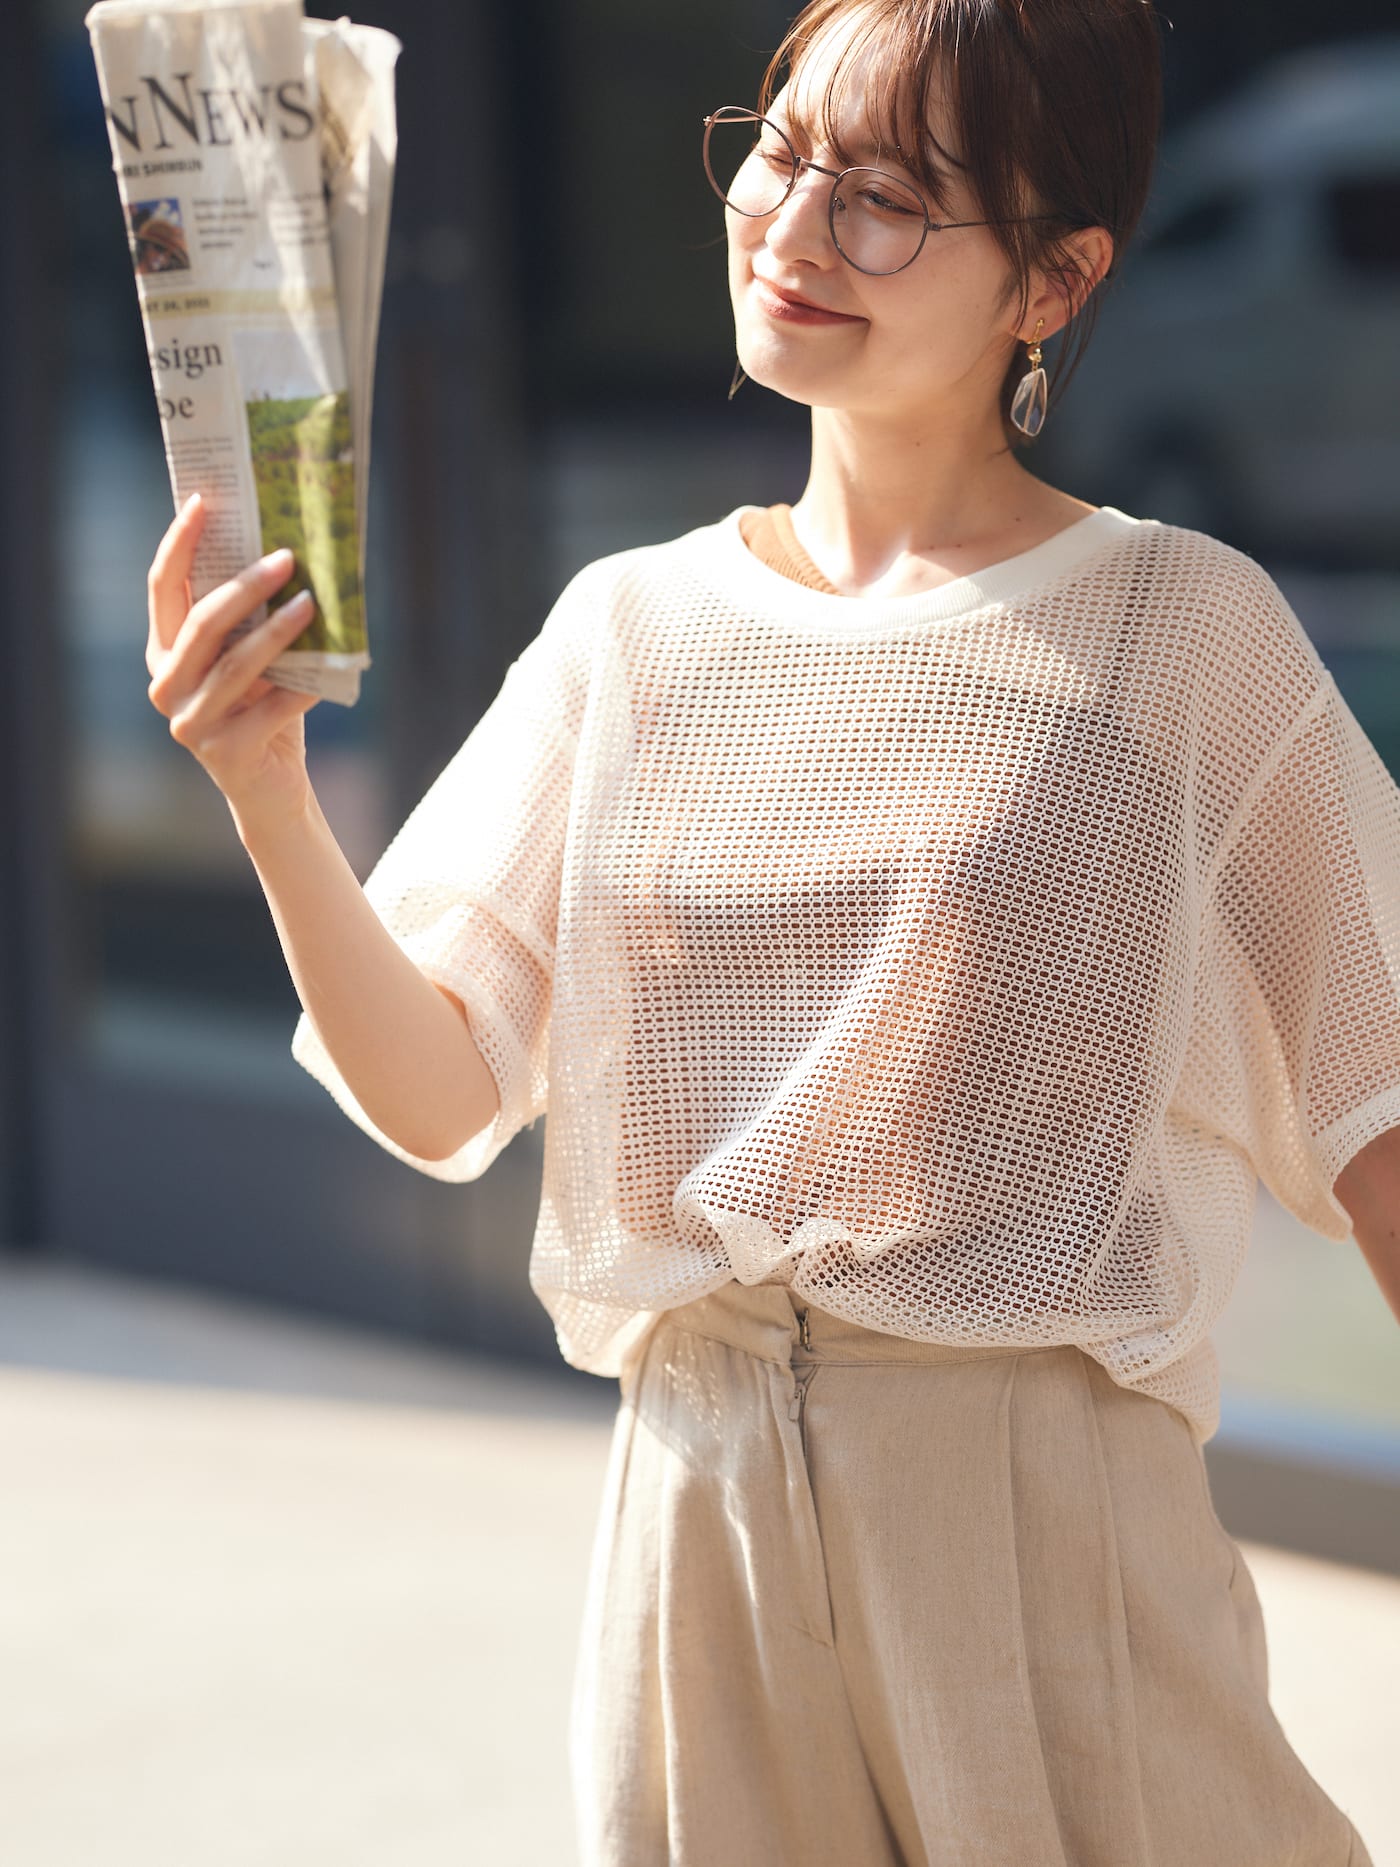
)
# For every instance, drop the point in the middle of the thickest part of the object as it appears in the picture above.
(878, 223)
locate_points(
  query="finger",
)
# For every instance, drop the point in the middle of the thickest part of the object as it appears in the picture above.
(203, 641)
(255, 691)
(224, 688)
(264, 685)
(167, 583)
(267, 715)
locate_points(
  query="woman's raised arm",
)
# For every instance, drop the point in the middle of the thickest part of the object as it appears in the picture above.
(400, 1041)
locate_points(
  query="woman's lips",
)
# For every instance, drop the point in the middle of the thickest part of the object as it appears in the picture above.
(789, 313)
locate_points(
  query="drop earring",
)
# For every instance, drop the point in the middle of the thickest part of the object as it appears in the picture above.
(1028, 403)
(739, 377)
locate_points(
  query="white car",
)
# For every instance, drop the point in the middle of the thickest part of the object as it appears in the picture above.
(1245, 374)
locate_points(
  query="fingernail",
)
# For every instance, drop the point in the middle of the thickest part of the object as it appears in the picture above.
(276, 560)
(190, 503)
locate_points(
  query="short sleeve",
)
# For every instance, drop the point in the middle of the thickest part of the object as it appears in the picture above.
(1302, 958)
(469, 886)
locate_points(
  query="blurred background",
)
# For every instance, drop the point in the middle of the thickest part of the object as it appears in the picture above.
(554, 357)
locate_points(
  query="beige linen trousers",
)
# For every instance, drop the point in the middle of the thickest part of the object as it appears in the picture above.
(868, 1602)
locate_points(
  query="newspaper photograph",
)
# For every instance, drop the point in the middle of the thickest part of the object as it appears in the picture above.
(254, 154)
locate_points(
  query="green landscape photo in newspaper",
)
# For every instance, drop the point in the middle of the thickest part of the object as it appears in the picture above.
(305, 475)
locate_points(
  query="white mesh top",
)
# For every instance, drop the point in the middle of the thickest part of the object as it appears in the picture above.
(962, 959)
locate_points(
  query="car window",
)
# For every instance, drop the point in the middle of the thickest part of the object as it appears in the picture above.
(1361, 221)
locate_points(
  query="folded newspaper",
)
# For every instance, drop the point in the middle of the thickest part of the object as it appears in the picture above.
(254, 153)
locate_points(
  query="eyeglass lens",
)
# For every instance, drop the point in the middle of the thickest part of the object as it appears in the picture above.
(878, 222)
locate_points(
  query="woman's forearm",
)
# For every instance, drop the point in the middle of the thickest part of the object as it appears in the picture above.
(401, 1042)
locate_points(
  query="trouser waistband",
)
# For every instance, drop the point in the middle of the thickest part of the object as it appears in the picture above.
(780, 1324)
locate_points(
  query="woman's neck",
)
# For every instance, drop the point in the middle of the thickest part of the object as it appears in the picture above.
(890, 508)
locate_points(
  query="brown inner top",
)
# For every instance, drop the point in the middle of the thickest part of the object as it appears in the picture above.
(768, 533)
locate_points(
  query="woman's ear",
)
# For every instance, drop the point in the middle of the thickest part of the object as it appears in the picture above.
(1065, 289)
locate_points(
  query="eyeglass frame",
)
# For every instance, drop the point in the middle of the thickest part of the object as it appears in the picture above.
(799, 163)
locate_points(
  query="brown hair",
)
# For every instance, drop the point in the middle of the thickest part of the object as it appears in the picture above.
(1057, 106)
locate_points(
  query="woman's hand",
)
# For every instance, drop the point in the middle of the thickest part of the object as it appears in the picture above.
(245, 731)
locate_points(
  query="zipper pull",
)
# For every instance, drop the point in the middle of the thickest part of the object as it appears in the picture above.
(804, 1332)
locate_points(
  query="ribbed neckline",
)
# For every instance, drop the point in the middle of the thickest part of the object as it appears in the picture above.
(725, 560)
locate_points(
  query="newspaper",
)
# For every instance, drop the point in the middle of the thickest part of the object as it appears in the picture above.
(254, 153)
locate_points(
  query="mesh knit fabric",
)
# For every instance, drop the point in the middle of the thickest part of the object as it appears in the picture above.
(962, 959)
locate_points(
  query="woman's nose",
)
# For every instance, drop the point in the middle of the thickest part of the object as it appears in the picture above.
(799, 229)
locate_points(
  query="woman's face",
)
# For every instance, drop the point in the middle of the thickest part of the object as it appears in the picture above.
(932, 339)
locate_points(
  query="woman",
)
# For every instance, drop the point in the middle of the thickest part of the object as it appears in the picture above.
(926, 912)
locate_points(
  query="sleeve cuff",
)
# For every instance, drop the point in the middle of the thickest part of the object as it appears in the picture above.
(520, 1101)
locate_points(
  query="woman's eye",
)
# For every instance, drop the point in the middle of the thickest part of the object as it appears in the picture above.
(871, 197)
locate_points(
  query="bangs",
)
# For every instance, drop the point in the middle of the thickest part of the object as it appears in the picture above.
(886, 59)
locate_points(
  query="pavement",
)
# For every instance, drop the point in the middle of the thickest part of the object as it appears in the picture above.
(283, 1593)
